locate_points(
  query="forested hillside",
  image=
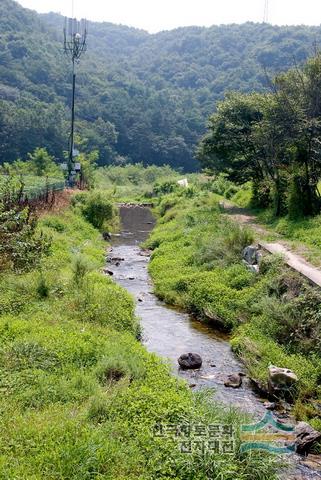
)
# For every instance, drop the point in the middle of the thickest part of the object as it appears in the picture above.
(141, 97)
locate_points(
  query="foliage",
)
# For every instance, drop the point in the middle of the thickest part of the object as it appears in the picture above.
(96, 207)
(133, 175)
(80, 390)
(152, 104)
(134, 182)
(21, 246)
(41, 163)
(88, 162)
(274, 315)
(272, 139)
(164, 187)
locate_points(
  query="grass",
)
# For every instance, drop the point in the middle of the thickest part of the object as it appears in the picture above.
(274, 316)
(136, 183)
(304, 234)
(80, 396)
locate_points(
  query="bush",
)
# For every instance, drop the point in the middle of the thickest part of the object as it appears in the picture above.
(164, 188)
(80, 267)
(97, 209)
(42, 287)
(224, 247)
(222, 186)
(21, 246)
(54, 223)
(262, 194)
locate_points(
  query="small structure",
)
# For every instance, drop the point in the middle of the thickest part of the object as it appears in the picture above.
(183, 183)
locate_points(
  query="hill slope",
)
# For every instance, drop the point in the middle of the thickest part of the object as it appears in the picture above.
(140, 96)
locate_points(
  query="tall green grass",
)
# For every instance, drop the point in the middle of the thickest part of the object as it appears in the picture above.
(80, 396)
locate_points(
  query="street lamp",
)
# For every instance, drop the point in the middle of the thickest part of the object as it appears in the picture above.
(75, 44)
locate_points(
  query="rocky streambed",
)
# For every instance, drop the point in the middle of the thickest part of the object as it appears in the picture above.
(171, 333)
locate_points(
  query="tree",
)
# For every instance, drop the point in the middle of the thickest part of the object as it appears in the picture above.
(272, 138)
(88, 162)
(42, 164)
(229, 146)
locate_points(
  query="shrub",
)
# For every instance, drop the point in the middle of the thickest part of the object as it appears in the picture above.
(237, 237)
(42, 287)
(223, 247)
(164, 188)
(80, 267)
(221, 185)
(97, 209)
(116, 366)
(21, 246)
(261, 194)
(54, 223)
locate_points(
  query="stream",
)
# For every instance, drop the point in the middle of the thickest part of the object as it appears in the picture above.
(170, 332)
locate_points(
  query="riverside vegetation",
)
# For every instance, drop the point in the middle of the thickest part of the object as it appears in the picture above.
(80, 396)
(274, 316)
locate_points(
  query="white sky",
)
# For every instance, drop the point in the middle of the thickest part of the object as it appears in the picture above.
(156, 15)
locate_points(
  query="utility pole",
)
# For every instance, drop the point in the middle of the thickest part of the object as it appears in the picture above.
(75, 44)
(266, 12)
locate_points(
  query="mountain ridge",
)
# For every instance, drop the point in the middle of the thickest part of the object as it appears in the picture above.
(140, 96)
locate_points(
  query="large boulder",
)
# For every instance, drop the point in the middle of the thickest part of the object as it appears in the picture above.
(252, 255)
(306, 437)
(280, 379)
(190, 361)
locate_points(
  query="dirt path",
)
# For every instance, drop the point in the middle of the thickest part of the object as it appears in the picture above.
(293, 260)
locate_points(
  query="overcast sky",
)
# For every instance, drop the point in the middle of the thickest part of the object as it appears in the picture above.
(156, 15)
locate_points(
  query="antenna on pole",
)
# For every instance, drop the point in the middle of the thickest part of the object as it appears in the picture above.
(266, 12)
(75, 44)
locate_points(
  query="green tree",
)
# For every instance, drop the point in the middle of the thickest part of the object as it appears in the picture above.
(272, 139)
(41, 163)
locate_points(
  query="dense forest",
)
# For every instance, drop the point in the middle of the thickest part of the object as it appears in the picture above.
(141, 97)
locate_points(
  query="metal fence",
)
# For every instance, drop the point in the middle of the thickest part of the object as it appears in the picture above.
(33, 192)
(34, 188)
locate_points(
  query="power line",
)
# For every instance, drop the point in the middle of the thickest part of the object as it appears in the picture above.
(266, 12)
